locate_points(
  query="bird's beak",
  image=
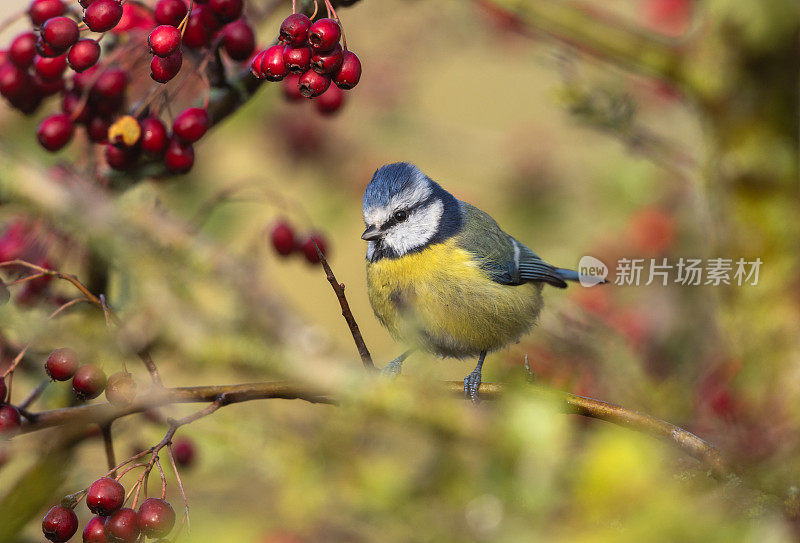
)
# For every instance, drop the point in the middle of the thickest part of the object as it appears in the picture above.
(371, 233)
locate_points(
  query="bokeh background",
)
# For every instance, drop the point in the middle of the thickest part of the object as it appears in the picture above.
(572, 154)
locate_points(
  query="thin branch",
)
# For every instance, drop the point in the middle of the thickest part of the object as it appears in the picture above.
(104, 413)
(108, 442)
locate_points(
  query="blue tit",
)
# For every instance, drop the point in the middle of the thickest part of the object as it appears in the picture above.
(442, 275)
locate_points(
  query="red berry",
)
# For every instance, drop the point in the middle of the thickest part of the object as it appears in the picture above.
(61, 364)
(191, 124)
(327, 62)
(290, 90)
(200, 28)
(54, 132)
(350, 73)
(294, 29)
(50, 68)
(297, 59)
(60, 524)
(105, 496)
(23, 49)
(255, 65)
(83, 55)
(3, 390)
(183, 450)
(103, 15)
(121, 158)
(14, 81)
(324, 34)
(154, 136)
(70, 103)
(10, 421)
(226, 10)
(97, 129)
(121, 388)
(88, 382)
(95, 530)
(156, 517)
(164, 69)
(59, 33)
(41, 10)
(122, 526)
(164, 40)
(170, 12)
(330, 101)
(179, 156)
(312, 84)
(310, 249)
(47, 87)
(273, 66)
(111, 84)
(239, 40)
(283, 238)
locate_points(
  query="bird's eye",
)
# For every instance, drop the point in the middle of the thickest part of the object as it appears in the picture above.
(400, 216)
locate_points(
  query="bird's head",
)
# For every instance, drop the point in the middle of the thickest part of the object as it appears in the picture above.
(405, 211)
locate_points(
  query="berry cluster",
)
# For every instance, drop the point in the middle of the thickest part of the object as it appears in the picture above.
(38, 62)
(29, 241)
(113, 522)
(309, 57)
(88, 380)
(285, 242)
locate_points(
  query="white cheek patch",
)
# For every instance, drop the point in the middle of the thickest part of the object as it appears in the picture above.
(420, 227)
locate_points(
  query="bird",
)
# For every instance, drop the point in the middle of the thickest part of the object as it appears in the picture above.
(442, 276)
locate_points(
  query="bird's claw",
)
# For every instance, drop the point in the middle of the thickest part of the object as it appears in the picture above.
(392, 369)
(472, 383)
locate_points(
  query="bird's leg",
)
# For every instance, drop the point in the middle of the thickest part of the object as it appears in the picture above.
(473, 381)
(393, 368)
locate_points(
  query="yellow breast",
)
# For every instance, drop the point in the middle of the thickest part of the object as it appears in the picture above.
(440, 299)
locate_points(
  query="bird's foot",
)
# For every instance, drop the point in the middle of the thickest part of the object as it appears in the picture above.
(472, 383)
(392, 369)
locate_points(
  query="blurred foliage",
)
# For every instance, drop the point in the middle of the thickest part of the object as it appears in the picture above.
(625, 155)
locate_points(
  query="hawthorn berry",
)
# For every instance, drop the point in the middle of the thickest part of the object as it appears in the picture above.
(226, 10)
(330, 101)
(55, 131)
(283, 238)
(83, 55)
(110, 84)
(95, 530)
(324, 34)
(103, 15)
(273, 65)
(14, 81)
(164, 69)
(191, 124)
(97, 129)
(238, 40)
(121, 388)
(294, 30)
(60, 524)
(290, 90)
(23, 49)
(122, 526)
(156, 517)
(3, 390)
(183, 450)
(88, 382)
(164, 40)
(350, 72)
(59, 33)
(121, 158)
(170, 12)
(105, 496)
(61, 364)
(255, 65)
(46, 87)
(179, 156)
(50, 68)
(297, 59)
(312, 84)
(41, 10)
(200, 27)
(327, 62)
(10, 421)
(309, 248)
(154, 136)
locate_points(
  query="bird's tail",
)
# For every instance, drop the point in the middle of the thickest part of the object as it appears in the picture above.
(572, 275)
